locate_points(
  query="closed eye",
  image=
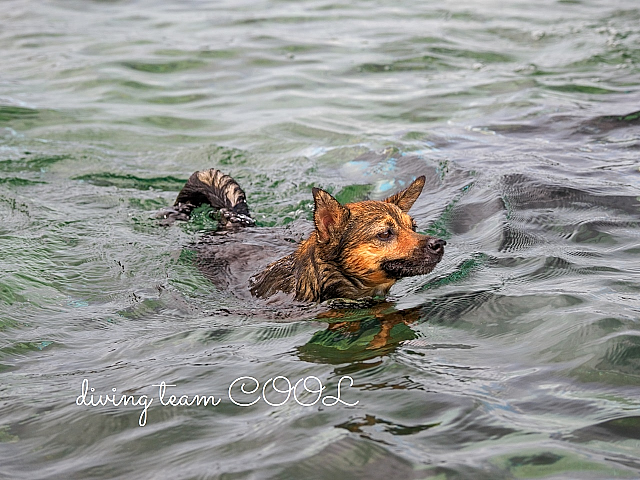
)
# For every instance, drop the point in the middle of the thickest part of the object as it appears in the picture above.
(386, 235)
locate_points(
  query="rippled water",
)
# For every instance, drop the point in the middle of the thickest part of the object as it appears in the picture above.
(518, 357)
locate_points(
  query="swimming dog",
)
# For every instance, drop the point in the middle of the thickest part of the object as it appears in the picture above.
(356, 250)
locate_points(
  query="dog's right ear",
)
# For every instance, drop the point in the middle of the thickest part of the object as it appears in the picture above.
(329, 215)
(407, 197)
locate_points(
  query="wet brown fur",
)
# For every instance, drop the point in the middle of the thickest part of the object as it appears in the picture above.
(356, 250)
(346, 257)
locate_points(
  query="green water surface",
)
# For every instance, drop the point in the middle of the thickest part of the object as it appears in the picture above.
(517, 357)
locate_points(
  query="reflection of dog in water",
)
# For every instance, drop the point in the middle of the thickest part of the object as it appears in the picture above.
(355, 251)
(360, 334)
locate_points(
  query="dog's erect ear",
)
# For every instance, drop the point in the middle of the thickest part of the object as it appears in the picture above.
(328, 216)
(407, 197)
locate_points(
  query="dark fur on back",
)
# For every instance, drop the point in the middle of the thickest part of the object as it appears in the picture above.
(356, 250)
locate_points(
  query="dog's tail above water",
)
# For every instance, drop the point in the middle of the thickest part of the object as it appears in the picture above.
(211, 187)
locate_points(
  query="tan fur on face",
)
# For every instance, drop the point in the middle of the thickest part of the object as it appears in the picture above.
(367, 252)
(357, 250)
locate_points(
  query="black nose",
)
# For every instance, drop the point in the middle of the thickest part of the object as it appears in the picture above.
(436, 245)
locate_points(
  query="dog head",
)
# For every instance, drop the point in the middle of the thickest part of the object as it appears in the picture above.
(374, 243)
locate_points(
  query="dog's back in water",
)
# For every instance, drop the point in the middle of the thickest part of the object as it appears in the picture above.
(352, 251)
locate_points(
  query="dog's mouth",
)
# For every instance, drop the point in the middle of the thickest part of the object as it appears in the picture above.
(421, 262)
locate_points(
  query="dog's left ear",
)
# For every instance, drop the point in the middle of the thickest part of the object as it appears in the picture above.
(407, 197)
(329, 216)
